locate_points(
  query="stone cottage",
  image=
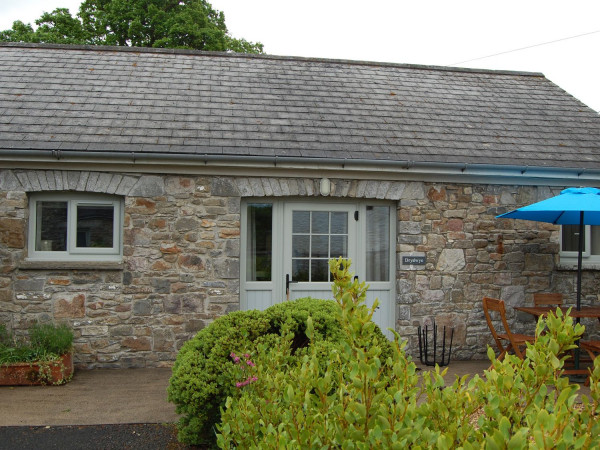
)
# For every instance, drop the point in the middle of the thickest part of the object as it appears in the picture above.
(146, 192)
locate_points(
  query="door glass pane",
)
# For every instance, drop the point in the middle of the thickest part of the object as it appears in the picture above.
(339, 223)
(320, 222)
(570, 238)
(300, 245)
(339, 246)
(320, 246)
(319, 270)
(258, 248)
(595, 239)
(378, 243)
(316, 237)
(301, 222)
(95, 224)
(51, 221)
(300, 269)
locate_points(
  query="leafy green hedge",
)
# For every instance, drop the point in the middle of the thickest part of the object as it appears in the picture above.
(204, 374)
(368, 400)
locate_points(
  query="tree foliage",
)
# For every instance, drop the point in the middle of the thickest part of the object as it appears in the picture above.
(191, 24)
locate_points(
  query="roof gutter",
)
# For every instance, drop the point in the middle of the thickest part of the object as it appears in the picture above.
(397, 168)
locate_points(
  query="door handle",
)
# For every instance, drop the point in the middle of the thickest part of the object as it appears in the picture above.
(288, 281)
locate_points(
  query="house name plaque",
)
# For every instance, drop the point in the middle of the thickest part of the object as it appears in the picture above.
(414, 260)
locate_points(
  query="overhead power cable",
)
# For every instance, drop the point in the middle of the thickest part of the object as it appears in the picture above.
(525, 48)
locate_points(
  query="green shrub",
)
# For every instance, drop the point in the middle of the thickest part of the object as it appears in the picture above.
(204, 374)
(57, 339)
(364, 401)
(46, 342)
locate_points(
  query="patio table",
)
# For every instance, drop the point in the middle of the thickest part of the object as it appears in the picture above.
(585, 311)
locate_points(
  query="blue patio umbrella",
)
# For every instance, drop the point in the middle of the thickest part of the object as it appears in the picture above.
(573, 206)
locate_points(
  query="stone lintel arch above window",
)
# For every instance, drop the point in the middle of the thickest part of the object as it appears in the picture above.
(82, 181)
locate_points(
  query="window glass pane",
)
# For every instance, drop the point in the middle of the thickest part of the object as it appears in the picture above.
(319, 270)
(339, 246)
(595, 240)
(339, 223)
(320, 222)
(258, 251)
(301, 222)
(95, 224)
(51, 232)
(378, 243)
(570, 238)
(320, 246)
(300, 245)
(300, 270)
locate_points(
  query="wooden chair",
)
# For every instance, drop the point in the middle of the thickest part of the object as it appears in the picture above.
(593, 350)
(547, 299)
(506, 341)
(592, 347)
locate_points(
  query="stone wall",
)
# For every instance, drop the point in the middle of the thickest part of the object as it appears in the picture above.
(471, 254)
(181, 252)
(180, 267)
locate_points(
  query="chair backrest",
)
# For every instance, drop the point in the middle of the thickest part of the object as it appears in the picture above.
(547, 299)
(592, 347)
(497, 306)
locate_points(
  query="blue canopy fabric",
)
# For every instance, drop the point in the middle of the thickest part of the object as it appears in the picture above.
(573, 206)
(563, 209)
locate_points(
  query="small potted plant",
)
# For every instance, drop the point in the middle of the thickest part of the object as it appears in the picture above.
(46, 357)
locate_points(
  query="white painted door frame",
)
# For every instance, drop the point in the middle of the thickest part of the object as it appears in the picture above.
(262, 294)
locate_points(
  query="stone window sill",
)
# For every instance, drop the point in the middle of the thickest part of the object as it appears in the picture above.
(71, 265)
(573, 266)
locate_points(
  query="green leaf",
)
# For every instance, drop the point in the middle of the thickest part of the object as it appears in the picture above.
(504, 427)
(518, 440)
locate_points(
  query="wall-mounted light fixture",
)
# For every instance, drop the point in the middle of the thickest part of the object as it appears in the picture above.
(325, 187)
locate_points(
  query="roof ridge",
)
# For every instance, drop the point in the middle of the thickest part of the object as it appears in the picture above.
(177, 51)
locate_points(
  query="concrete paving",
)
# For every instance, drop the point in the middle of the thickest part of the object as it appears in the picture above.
(129, 396)
(461, 368)
(92, 397)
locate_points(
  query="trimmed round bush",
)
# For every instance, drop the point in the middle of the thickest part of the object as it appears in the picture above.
(204, 373)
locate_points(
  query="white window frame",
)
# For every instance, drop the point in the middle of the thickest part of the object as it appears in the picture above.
(568, 259)
(587, 247)
(74, 253)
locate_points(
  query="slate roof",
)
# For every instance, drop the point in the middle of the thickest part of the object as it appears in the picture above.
(187, 102)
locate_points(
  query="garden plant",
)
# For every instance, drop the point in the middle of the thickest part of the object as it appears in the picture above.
(45, 342)
(366, 399)
(44, 350)
(205, 373)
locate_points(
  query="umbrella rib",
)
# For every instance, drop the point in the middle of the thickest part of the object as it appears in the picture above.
(558, 218)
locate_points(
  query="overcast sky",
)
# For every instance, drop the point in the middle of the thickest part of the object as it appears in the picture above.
(433, 32)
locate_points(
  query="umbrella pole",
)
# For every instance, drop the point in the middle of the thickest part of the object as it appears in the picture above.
(579, 270)
(580, 260)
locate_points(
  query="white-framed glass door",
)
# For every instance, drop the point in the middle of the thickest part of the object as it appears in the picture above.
(286, 246)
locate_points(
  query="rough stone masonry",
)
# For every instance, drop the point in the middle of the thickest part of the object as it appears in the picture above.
(181, 255)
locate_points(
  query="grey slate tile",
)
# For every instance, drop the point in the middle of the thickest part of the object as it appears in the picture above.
(184, 103)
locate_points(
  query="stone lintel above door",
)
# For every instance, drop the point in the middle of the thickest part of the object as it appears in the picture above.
(310, 187)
